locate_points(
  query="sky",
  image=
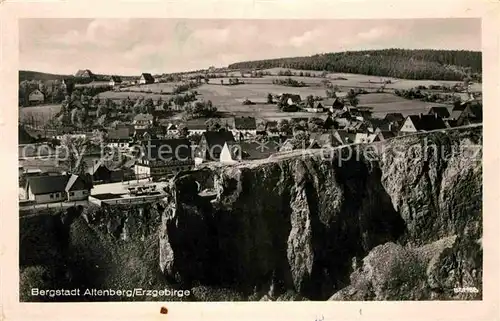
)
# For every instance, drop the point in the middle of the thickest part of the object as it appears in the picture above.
(132, 46)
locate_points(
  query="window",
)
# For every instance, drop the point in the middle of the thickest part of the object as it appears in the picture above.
(71, 194)
(51, 195)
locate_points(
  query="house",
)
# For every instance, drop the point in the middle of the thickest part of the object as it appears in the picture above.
(472, 114)
(57, 188)
(143, 121)
(231, 153)
(418, 123)
(394, 117)
(172, 129)
(115, 81)
(119, 138)
(211, 144)
(361, 138)
(84, 73)
(272, 128)
(196, 126)
(251, 150)
(290, 99)
(244, 127)
(36, 97)
(441, 111)
(328, 122)
(46, 189)
(382, 136)
(323, 140)
(317, 107)
(344, 137)
(163, 158)
(98, 172)
(146, 79)
(77, 188)
(145, 134)
(333, 105)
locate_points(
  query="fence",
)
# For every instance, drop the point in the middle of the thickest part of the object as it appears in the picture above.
(23, 207)
(127, 200)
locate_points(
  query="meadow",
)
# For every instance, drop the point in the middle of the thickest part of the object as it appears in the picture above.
(383, 103)
(38, 114)
(358, 80)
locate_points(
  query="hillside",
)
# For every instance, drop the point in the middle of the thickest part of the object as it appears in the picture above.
(398, 63)
(35, 75)
(296, 226)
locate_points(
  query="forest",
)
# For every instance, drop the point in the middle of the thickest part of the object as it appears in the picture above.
(398, 63)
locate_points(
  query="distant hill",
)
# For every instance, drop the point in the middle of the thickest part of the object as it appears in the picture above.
(35, 75)
(398, 63)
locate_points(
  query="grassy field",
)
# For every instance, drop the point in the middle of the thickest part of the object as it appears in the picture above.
(229, 99)
(117, 95)
(383, 103)
(38, 114)
(157, 88)
(357, 80)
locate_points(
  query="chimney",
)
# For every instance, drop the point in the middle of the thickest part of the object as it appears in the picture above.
(436, 115)
(421, 115)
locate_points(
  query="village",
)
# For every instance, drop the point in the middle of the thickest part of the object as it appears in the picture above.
(121, 130)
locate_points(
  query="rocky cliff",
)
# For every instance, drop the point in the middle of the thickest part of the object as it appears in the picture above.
(400, 219)
(302, 222)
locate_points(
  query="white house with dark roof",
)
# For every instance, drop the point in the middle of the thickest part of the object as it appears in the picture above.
(163, 158)
(115, 81)
(119, 138)
(146, 78)
(36, 97)
(57, 188)
(244, 127)
(77, 189)
(231, 153)
(143, 121)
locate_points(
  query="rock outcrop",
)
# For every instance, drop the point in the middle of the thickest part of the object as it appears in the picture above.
(295, 222)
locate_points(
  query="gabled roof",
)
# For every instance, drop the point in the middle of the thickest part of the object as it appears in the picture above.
(427, 122)
(394, 117)
(441, 111)
(174, 149)
(36, 92)
(92, 169)
(344, 137)
(317, 104)
(384, 134)
(76, 183)
(245, 123)
(47, 184)
(218, 138)
(235, 150)
(147, 77)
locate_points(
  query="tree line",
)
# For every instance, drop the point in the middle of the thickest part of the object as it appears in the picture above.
(397, 63)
